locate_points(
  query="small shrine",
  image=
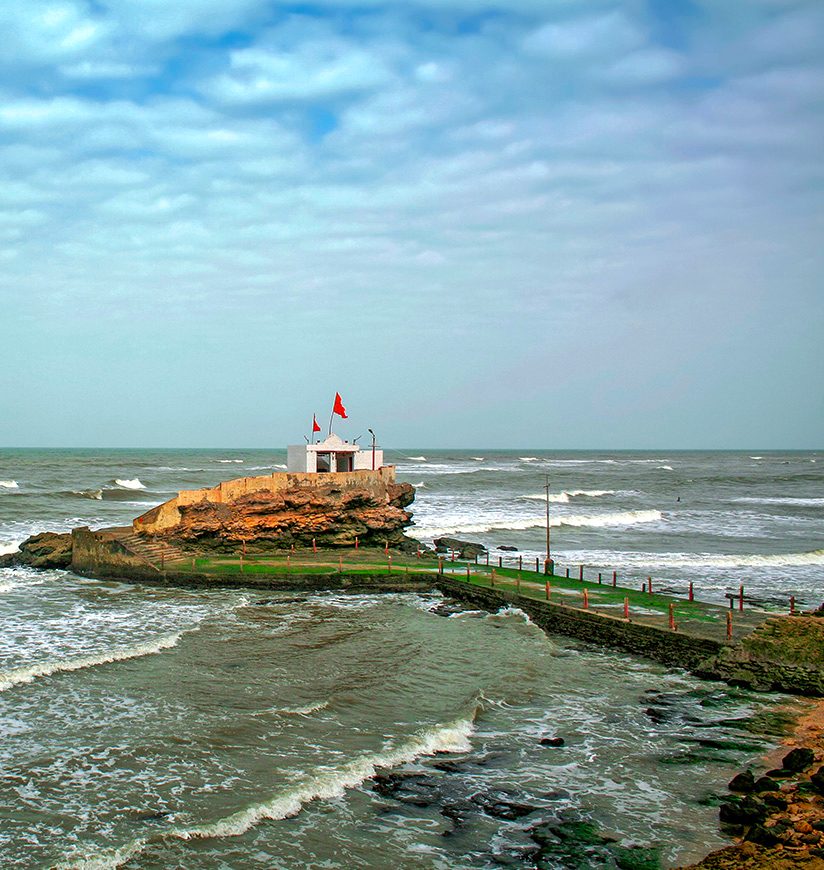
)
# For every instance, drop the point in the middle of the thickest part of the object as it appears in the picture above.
(331, 456)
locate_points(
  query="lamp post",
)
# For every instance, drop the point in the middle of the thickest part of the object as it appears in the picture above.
(546, 487)
(373, 447)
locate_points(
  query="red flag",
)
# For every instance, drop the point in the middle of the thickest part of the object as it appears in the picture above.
(315, 427)
(338, 407)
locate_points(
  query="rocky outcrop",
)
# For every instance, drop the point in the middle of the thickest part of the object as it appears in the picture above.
(46, 550)
(464, 549)
(326, 510)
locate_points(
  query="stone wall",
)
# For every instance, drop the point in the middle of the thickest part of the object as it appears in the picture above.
(667, 647)
(100, 554)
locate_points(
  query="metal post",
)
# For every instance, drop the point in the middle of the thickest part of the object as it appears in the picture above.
(792, 604)
(586, 600)
(729, 625)
(548, 553)
(649, 585)
(741, 597)
(500, 561)
(547, 590)
(599, 578)
(626, 608)
(614, 579)
(672, 616)
(567, 573)
(580, 572)
(691, 596)
(520, 563)
(537, 563)
(373, 447)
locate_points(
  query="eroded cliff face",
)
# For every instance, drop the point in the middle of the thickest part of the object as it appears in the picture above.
(331, 514)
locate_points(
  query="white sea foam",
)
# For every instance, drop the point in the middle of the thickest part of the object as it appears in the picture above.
(305, 710)
(528, 458)
(783, 500)
(417, 458)
(481, 458)
(228, 460)
(324, 783)
(621, 518)
(701, 560)
(12, 547)
(130, 484)
(665, 467)
(89, 493)
(565, 495)
(8, 484)
(756, 457)
(29, 673)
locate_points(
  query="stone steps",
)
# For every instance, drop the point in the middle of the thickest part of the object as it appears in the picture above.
(154, 552)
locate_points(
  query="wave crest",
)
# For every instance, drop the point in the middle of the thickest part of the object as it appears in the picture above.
(9, 484)
(323, 784)
(597, 521)
(29, 673)
(130, 484)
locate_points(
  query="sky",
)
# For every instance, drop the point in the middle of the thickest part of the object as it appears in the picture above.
(494, 223)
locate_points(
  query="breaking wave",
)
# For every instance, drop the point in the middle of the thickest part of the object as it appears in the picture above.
(9, 484)
(306, 710)
(565, 495)
(622, 518)
(8, 548)
(228, 460)
(29, 673)
(130, 484)
(704, 560)
(324, 783)
(89, 493)
(417, 458)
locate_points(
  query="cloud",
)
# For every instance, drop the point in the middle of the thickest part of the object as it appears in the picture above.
(509, 167)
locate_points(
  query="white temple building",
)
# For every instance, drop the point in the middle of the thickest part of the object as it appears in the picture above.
(332, 455)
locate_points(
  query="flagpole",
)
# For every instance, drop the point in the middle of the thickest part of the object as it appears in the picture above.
(330, 418)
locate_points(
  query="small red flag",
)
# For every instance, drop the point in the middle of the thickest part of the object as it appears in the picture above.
(338, 407)
(315, 427)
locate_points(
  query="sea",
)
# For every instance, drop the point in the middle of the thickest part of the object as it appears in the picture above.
(150, 727)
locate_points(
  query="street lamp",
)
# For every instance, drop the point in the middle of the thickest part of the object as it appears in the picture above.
(373, 447)
(546, 487)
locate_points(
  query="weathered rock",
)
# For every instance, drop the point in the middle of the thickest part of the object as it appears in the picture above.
(817, 781)
(46, 550)
(747, 811)
(507, 548)
(332, 510)
(465, 549)
(743, 782)
(765, 783)
(552, 741)
(798, 759)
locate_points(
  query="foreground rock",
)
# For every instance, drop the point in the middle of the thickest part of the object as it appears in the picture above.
(281, 510)
(780, 822)
(46, 550)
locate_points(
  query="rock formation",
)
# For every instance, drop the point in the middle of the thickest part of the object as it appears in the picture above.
(46, 550)
(332, 510)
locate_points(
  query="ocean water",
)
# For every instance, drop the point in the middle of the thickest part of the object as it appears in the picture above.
(152, 728)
